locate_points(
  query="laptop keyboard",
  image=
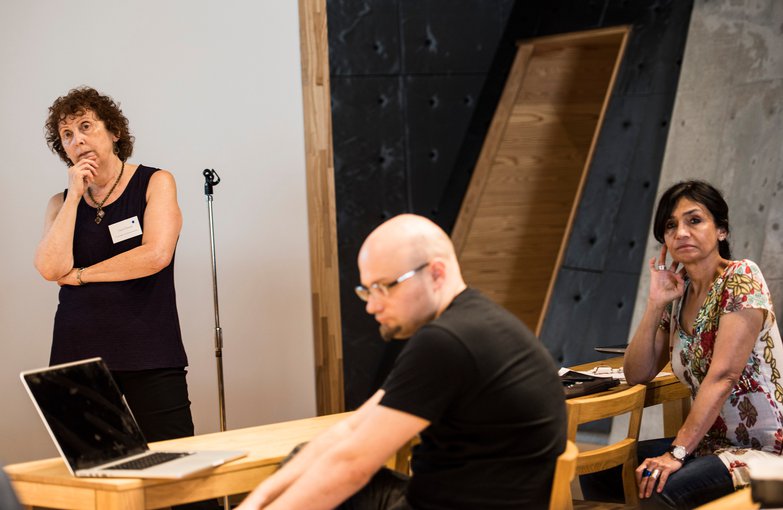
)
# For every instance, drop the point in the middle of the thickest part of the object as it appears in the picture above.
(150, 460)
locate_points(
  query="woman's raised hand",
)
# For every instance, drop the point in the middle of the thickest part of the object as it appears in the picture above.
(81, 175)
(666, 283)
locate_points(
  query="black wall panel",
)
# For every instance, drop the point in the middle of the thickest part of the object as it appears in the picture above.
(438, 112)
(415, 84)
(447, 36)
(364, 37)
(370, 186)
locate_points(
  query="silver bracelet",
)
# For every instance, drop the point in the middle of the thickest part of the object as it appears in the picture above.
(79, 276)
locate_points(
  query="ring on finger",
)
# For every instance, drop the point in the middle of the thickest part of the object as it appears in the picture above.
(655, 474)
(661, 267)
(646, 473)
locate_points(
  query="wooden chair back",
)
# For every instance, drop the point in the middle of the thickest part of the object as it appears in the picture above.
(564, 474)
(622, 453)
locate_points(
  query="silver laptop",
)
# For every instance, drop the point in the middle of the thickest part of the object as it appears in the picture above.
(94, 430)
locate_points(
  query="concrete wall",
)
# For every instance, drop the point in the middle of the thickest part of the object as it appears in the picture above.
(727, 128)
(204, 84)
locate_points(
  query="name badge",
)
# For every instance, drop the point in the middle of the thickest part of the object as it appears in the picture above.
(125, 229)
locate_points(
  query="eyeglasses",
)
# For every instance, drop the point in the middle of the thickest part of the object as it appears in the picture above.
(382, 289)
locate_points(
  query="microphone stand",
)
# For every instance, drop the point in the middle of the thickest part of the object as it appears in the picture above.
(212, 179)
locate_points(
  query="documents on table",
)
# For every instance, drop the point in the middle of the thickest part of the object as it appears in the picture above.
(604, 371)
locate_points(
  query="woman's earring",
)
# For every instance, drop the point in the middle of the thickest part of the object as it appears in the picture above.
(116, 148)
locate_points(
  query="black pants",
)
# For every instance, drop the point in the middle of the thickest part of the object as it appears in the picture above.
(699, 481)
(159, 401)
(384, 491)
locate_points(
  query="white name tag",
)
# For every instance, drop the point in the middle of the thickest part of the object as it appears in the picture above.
(125, 229)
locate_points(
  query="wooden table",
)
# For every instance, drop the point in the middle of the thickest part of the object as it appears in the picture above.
(666, 390)
(740, 500)
(48, 483)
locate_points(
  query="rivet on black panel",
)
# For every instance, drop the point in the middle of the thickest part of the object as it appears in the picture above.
(468, 100)
(646, 184)
(385, 215)
(434, 101)
(434, 155)
(626, 124)
(631, 243)
(577, 298)
(664, 123)
(377, 47)
(640, 65)
(619, 305)
(592, 240)
(610, 180)
(383, 100)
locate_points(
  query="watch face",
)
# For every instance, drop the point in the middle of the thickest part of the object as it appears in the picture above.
(679, 452)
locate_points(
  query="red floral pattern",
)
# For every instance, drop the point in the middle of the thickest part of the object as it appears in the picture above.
(753, 413)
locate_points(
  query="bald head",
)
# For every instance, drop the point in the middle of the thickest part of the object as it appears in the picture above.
(411, 238)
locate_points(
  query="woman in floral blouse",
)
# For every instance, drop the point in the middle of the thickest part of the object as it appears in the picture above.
(713, 318)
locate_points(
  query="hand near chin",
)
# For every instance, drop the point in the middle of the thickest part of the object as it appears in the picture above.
(81, 175)
(667, 283)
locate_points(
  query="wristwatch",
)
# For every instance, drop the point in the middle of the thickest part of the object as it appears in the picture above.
(678, 452)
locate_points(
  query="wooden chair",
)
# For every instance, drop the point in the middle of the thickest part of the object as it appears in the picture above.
(401, 461)
(622, 453)
(565, 468)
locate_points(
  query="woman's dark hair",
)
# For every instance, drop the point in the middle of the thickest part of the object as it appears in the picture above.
(702, 193)
(76, 102)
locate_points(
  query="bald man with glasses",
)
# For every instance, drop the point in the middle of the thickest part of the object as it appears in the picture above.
(472, 381)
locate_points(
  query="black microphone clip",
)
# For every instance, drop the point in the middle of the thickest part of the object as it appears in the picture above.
(211, 179)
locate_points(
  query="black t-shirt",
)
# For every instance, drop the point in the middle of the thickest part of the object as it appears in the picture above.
(495, 404)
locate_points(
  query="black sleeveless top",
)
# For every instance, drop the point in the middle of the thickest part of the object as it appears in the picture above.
(132, 325)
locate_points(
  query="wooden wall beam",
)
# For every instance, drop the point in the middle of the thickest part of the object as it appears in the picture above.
(321, 214)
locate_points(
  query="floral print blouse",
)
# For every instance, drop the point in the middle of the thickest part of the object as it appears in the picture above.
(750, 424)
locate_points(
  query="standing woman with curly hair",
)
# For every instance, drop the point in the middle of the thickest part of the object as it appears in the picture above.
(109, 242)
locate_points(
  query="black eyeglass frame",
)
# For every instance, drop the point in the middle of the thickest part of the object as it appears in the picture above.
(384, 288)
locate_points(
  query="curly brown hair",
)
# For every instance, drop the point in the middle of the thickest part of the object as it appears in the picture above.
(76, 102)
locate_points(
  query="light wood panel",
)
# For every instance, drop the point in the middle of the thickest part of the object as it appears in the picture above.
(324, 269)
(512, 230)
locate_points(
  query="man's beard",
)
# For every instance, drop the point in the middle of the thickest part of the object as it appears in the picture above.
(388, 333)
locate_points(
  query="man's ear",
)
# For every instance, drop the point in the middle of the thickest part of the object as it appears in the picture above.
(437, 270)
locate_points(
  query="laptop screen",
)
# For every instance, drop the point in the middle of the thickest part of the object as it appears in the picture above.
(85, 412)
